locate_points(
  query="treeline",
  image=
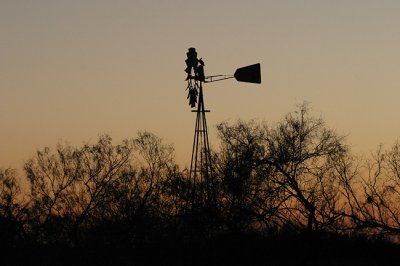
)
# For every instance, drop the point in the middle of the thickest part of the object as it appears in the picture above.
(295, 176)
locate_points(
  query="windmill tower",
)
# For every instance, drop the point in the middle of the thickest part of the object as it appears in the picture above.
(200, 173)
(201, 169)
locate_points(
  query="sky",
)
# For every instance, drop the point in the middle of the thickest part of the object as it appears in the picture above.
(73, 70)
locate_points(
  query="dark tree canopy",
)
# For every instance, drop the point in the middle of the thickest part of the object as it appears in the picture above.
(293, 177)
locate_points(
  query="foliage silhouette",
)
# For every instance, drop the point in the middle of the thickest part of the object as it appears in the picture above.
(290, 187)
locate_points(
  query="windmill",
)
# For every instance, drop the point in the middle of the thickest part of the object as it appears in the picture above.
(201, 171)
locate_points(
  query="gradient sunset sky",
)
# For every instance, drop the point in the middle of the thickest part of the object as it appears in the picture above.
(72, 70)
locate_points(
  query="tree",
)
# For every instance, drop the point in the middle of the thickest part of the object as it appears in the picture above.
(155, 201)
(80, 195)
(11, 208)
(302, 151)
(71, 188)
(372, 193)
(247, 196)
(283, 173)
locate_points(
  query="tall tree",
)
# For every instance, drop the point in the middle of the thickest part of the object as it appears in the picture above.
(301, 149)
(285, 172)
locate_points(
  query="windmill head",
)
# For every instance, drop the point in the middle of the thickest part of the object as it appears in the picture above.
(250, 74)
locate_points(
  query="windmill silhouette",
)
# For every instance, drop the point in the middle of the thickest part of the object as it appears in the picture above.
(201, 170)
